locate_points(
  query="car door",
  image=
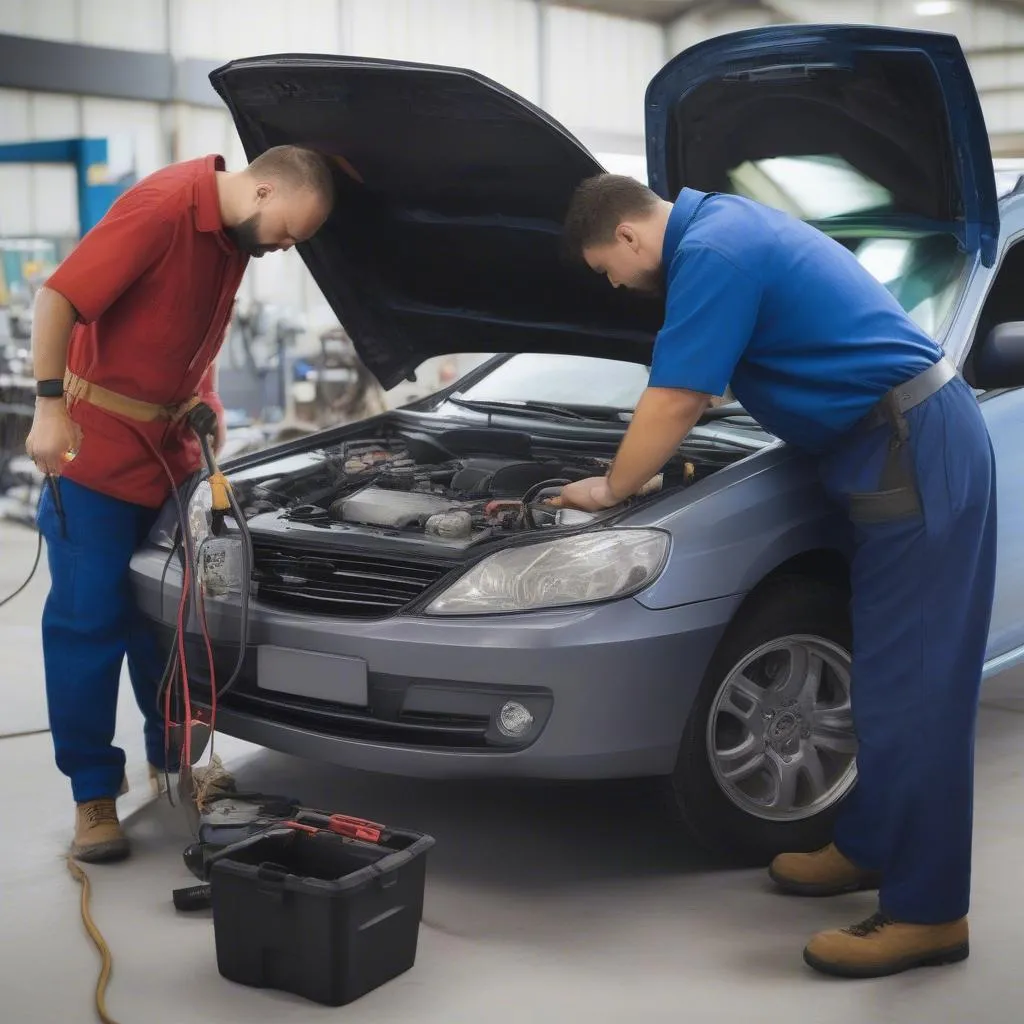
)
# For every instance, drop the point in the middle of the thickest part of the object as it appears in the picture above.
(994, 297)
(1004, 416)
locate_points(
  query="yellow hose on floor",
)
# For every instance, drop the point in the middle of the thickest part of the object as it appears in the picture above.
(98, 941)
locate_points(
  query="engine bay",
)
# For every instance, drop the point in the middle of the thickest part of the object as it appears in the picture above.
(455, 488)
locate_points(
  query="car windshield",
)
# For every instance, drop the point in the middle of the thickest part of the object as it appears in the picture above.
(562, 380)
(922, 269)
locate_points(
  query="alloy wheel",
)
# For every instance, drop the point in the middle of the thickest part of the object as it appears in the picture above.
(780, 734)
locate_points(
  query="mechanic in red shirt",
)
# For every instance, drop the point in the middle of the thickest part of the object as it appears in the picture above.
(125, 333)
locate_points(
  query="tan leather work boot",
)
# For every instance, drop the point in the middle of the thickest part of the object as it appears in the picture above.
(98, 834)
(825, 872)
(880, 946)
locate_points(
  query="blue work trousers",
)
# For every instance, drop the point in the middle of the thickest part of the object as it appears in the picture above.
(90, 623)
(923, 587)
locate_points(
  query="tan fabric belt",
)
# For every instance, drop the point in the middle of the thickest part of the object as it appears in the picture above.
(78, 389)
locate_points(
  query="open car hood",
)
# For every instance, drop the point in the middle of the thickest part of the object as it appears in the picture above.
(447, 229)
(452, 190)
(840, 125)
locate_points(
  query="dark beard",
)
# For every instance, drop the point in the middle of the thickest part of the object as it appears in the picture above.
(246, 237)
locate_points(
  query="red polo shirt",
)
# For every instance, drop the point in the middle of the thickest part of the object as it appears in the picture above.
(153, 284)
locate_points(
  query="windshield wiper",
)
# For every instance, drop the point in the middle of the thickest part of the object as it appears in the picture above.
(529, 405)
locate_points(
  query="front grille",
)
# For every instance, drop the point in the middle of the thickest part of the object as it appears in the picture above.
(347, 584)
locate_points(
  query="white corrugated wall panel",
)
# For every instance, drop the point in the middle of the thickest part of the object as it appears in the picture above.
(498, 38)
(598, 68)
(993, 70)
(41, 19)
(139, 122)
(994, 26)
(55, 201)
(199, 131)
(229, 29)
(122, 24)
(998, 110)
(16, 200)
(54, 116)
(686, 32)
(37, 199)
(15, 116)
(843, 12)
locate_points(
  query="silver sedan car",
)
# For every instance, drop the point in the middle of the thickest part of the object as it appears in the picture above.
(415, 604)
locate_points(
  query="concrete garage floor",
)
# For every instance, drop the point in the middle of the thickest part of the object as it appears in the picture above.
(545, 903)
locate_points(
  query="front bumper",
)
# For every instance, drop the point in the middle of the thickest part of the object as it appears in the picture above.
(609, 686)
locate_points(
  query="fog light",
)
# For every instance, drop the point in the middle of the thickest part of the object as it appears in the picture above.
(514, 720)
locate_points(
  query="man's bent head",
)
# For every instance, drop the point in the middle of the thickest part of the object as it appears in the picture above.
(283, 198)
(617, 225)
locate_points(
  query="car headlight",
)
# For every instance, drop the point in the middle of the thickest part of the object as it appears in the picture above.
(198, 514)
(164, 531)
(570, 570)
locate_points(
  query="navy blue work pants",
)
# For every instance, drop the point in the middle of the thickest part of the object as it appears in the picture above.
(90, 624)
(922, 598)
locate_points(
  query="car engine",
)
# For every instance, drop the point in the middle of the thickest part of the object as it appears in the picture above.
(426, 486)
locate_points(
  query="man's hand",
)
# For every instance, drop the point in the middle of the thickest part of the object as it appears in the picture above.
(53, 436)
(590, 495)
(663, 417)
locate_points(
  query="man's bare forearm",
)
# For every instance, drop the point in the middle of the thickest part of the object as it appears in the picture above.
(663, 417)
(53, 434)
(52, 322)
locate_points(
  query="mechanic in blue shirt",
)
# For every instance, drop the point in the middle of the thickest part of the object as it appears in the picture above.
(825, 358)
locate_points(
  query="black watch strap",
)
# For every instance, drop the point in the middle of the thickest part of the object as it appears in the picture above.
(50, 388)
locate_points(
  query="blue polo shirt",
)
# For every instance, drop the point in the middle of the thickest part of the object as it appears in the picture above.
(756, 299)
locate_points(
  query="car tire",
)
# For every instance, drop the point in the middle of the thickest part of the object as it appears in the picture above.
(795, 610)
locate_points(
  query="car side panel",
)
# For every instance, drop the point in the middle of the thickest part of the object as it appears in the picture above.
(1004, 416)
(738, 526)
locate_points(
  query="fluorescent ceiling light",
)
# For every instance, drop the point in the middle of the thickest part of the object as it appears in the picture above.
(933, 8)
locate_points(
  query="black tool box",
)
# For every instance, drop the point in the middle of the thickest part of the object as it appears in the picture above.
(325, 906)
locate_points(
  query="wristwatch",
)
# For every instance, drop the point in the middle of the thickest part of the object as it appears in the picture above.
(50, 388)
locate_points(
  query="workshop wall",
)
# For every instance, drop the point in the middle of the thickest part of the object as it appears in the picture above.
(588, 69)
(37, 199)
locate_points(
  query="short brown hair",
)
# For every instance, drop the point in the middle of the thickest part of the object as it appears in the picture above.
(599, 205)
(297, 167)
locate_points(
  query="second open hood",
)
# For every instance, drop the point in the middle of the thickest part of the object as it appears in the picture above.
(834, 123)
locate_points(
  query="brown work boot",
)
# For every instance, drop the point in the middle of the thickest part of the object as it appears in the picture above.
(98, 835)
(824, 872)
(880, 946)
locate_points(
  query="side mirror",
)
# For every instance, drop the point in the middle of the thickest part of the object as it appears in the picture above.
(1000, 363)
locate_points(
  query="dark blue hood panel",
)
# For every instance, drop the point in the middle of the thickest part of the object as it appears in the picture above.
(448, 237)
(899, 107)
